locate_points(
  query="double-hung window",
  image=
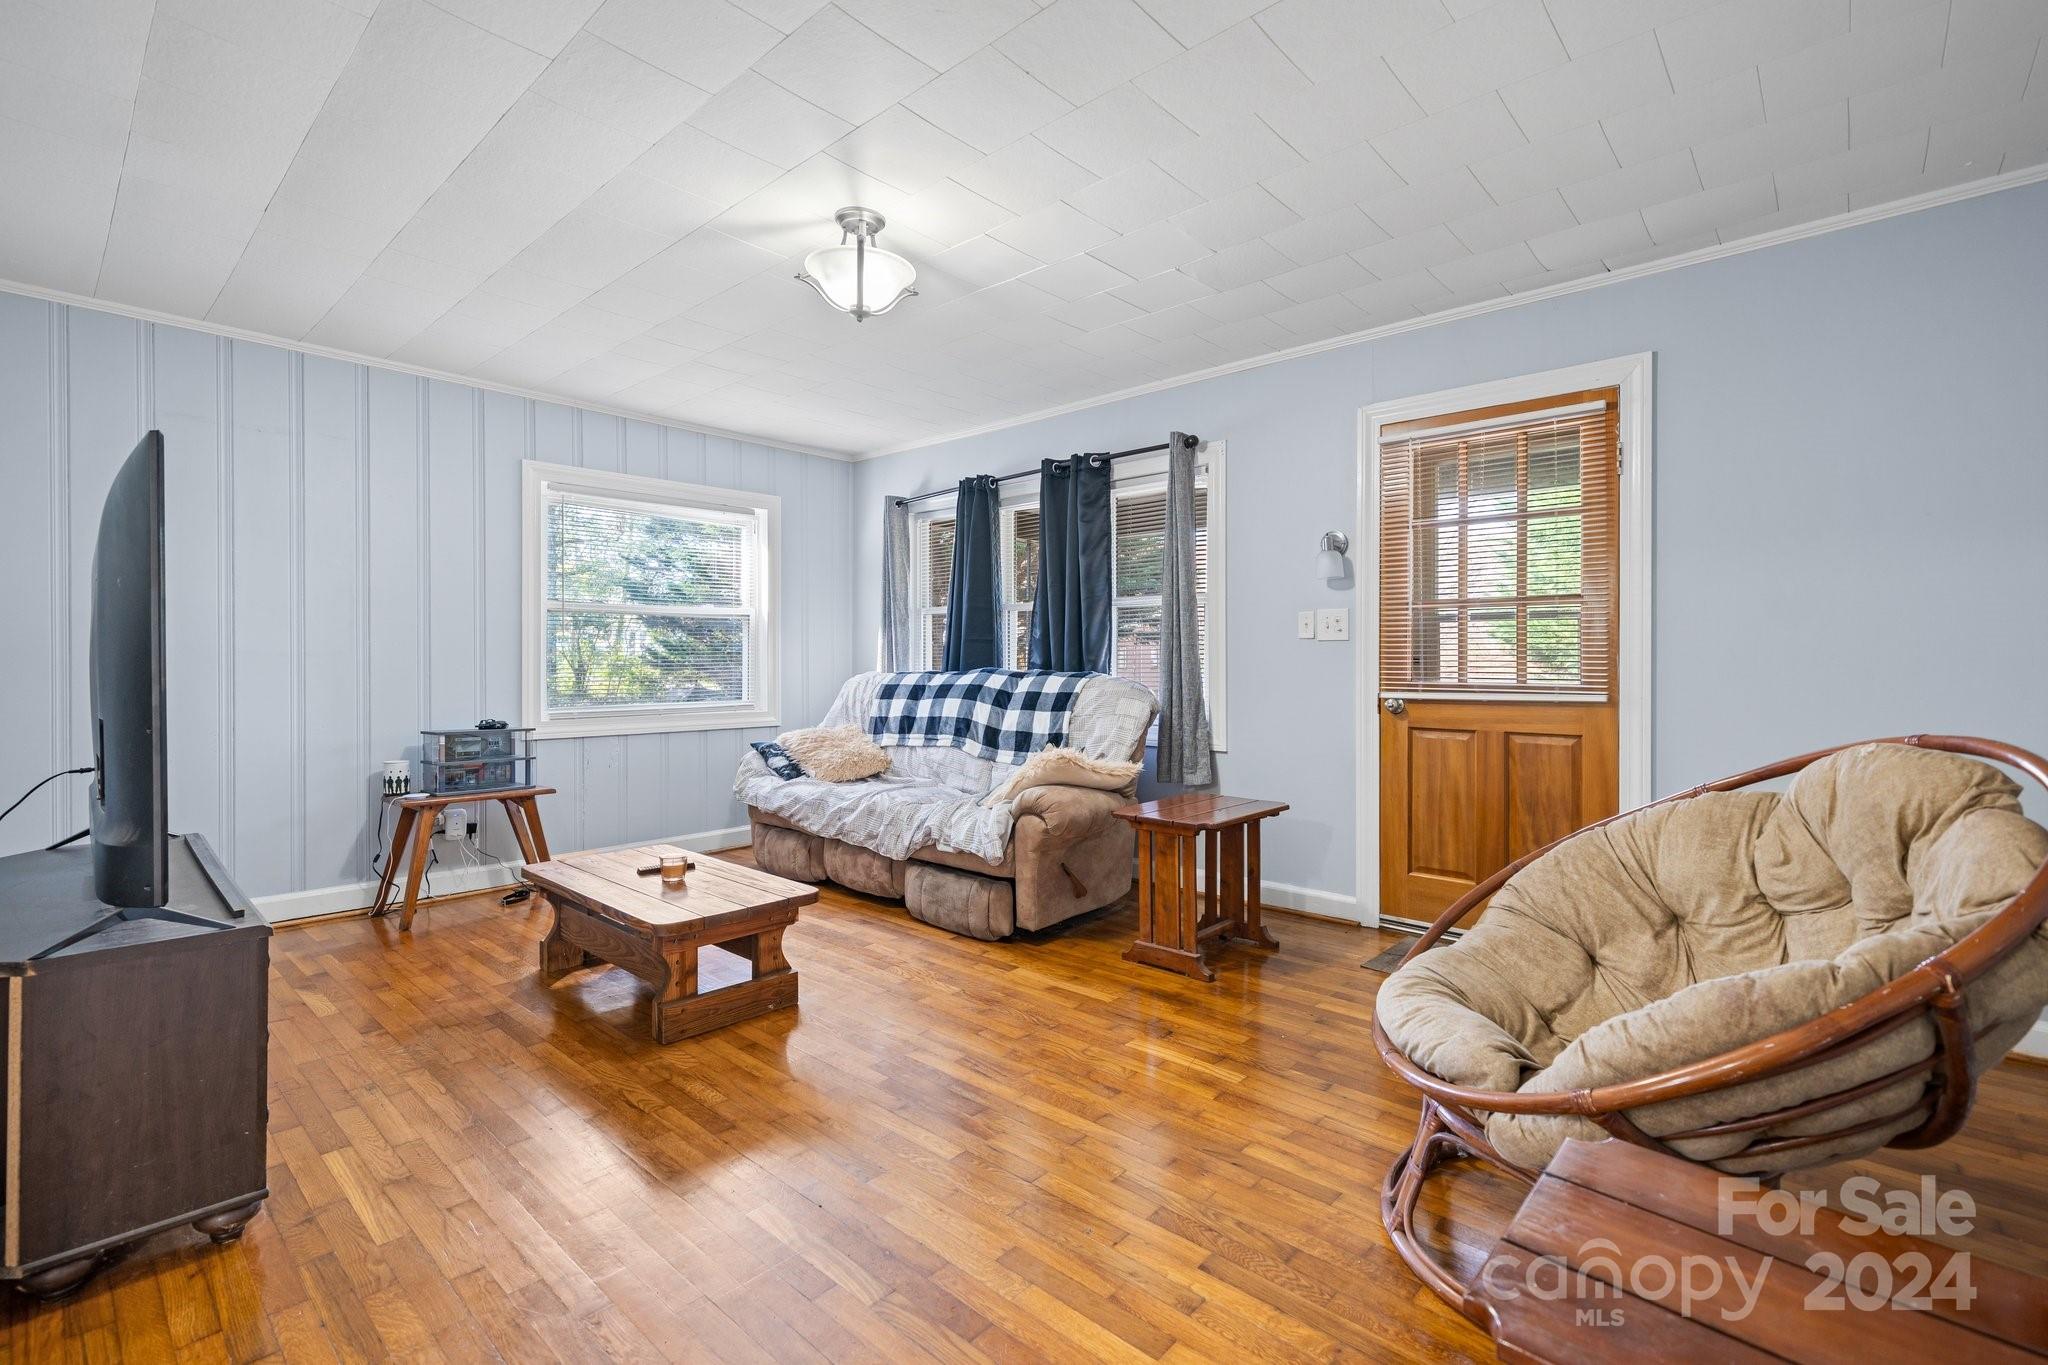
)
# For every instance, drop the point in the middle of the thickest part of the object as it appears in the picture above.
(649, 604)
(1138, 533)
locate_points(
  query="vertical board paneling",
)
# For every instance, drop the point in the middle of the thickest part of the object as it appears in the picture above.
(30, 552)
(337, 783)
(267, 763)
(343, 568)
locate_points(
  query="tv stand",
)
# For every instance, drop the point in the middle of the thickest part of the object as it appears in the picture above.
(126, 1032)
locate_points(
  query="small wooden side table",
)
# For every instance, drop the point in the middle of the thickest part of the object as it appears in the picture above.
(1622, 1254)
(521, 812)
(1172, 925)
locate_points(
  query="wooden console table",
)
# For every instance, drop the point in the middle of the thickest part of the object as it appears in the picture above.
(1172, 924)
(711, 947)
(521, 811)
(1579, 1276)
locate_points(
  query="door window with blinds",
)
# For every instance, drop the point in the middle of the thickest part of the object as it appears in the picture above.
(647, 604)
(1496, 550)
(1138, 525)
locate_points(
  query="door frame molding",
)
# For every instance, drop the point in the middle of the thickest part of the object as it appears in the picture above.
(1634, 376)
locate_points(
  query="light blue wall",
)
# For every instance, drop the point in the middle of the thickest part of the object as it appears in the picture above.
(343, 570)
(1851, 530)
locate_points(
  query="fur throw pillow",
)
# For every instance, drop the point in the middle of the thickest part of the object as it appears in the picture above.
(839, 753)
(1057, 767)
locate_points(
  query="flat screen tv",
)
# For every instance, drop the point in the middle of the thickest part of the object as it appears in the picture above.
(130, 799)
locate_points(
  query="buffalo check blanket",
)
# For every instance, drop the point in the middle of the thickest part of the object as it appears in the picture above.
(993, 713)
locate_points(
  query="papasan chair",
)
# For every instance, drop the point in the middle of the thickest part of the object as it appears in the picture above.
(1756, 981)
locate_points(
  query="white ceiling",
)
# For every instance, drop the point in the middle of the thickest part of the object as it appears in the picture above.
(606, 199)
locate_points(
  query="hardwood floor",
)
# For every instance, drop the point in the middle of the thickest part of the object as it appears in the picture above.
(952, 1150)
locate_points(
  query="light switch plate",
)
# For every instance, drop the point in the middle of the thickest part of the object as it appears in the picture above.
(1333, 623)
(1305, 625)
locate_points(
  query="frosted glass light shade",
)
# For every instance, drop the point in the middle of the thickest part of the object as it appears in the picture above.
(864, 283)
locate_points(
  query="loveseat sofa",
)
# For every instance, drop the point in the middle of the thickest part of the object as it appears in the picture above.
(919, 833)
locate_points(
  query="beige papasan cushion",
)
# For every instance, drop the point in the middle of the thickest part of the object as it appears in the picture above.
(1685, 930)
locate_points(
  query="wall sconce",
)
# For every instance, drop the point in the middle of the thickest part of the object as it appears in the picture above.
(1330, 562)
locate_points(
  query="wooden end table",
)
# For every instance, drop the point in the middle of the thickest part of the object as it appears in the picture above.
(521, 812)
(1172, 927)
(1606, 1216)
(711, 948)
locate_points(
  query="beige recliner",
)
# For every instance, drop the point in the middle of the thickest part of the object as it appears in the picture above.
(1753, 980)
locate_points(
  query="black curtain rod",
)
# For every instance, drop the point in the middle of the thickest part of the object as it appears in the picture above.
(1103, 455)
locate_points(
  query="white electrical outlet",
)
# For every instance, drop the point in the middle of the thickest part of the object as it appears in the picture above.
(455, 822)
(1305, 625)
(1333, 623)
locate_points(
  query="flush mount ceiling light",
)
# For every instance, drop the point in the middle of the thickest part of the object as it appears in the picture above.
(857, 276)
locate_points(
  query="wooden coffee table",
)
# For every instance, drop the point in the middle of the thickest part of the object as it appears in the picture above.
(711, 948)
(1172, 924)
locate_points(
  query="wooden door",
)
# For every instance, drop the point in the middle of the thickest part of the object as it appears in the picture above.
(1498, 696)
(1468, 787)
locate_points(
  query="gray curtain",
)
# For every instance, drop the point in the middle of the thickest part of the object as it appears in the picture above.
(898, 633)
(1070, 615)
(1184, 745)
(974, 608)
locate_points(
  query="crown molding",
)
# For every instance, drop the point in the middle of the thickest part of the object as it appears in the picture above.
(70, 300)
(1798, 232)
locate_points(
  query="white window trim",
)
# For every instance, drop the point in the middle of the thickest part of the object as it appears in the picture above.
(538, 482)
(1135, 473)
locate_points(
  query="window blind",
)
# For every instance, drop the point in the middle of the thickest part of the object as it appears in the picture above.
(648, 606)
(1497, 549)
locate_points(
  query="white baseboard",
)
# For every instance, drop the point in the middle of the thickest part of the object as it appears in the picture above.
(2035, 1044)
(456, 879)
(1306, 898)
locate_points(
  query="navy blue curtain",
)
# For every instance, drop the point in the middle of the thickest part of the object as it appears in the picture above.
(1070, 616)
(974, 611)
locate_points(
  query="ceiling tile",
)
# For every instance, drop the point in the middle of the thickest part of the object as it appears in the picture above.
(1477, 55)
(1093, 312)
(1224, 161)
(1589, 25)
(1455, 137)
(614, 87)
(1561, 159)
(787, 15)
(1326, 277)
(1077, 277)
(1860, 60)
(1872, 166)
(1404, 255)
(1400, 295)
(1025, 175)
(987, 101)
(1513, 222)
(940, 33)
(1193, 21)
(1492, 267)
(762, 118)
(1351, 176)
(1115, 131)
(1219, 82)
(1053, 233)
(546, 26)
(1362, 103)
(1682, 219)
(902, 149)
(694, 161)
(1986, 28)
(1241, 214)
(1633, 187)
(2016, 135)
(984, 261)
(1327, 37)
(1326, 235)
(1427, 202)
(1161, 291)
(1129, 200)
(949, 213)
(842, 66)
(655, 205)
(1960, 89)
(1590, 242)
(1730, 36)
(1702, 112)
(1789, 141)
(1257, 259)
(1608, 81)
(706, 42)
(1084, 48)
(1245, 301)
(1150, 250)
